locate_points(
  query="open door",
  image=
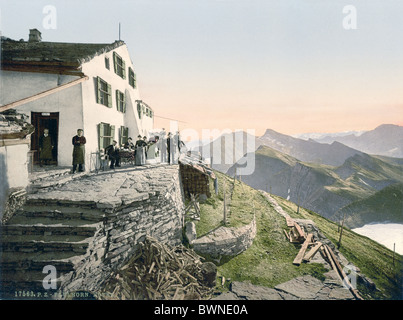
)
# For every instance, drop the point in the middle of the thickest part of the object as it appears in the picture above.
(41, 121)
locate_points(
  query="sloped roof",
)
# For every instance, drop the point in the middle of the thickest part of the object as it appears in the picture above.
(42, 55)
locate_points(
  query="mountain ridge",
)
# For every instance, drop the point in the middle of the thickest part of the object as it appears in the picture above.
(322, 188)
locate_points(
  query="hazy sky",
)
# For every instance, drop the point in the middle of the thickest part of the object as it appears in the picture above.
(286, 65)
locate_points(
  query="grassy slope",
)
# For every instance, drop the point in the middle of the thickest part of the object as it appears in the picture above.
(268, 261)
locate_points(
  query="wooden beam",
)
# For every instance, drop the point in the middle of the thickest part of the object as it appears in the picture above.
(42, 94)
(329, 257)
(300, 255)
(312, 252)
(343, 276)
(299, 230)
(5, 143)
(290, 221)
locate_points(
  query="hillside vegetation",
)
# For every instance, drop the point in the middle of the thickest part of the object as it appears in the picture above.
(385, 205)
(268, 262)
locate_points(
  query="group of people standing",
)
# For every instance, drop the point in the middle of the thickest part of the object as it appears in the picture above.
(140, 151)
(169, 146)
(165, 147)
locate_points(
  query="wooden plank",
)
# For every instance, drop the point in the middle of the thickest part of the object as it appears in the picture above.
(299, 230)
(312, 252)
(343, 275)
(290, 221)
(286, 234)
(300, 255)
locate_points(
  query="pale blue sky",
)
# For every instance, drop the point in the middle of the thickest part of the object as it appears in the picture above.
(286, 65)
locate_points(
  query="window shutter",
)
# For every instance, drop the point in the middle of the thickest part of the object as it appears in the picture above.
(126, 134)
(123, 69)
(124, 103)
(101, 136)
(117, 99)
(139, 110)
(109, 96)
(115, 62)
(112, 134)
(98, 90)
(122, 132)
(134, 81)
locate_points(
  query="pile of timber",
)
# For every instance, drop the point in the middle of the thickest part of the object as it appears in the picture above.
(297, 235)
(159, 272)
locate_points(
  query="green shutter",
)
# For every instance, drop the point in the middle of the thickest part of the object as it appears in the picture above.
(134, 81)
(139, 110)
(124, 103)
(109, 96)
(122, 132)
(101, 129)
(123, 69)
(98, 90)
(112, 134)
(117, 99)
(115, 62)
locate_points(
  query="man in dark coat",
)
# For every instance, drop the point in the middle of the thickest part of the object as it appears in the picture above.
(113, 152)
(79, 142)
(169, 141)
(46, 146)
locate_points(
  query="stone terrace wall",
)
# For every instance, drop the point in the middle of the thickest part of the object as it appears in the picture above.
(148, 202)
(226, 241)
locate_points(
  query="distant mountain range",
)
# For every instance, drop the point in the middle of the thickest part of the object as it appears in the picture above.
(386, 140)
(308, 151)
(330, 178)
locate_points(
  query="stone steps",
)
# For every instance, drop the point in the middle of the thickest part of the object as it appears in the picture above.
(56, 212)
(32, 246)
(51, 177)
(41, 234)
(36, 232)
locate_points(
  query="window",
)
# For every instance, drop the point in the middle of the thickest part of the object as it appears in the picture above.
(120, 101)
(104, 93)
(119, 65)
(106, 134)
(132, 78)
(107, 64)
(124, 135)
(139, 109)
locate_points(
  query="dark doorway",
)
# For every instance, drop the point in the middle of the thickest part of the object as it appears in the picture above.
(41, 121)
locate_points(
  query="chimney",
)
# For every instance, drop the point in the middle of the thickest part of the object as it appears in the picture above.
(34, 35)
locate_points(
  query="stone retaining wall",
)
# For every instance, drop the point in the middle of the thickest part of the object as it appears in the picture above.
(226, 241)
(157, 212)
